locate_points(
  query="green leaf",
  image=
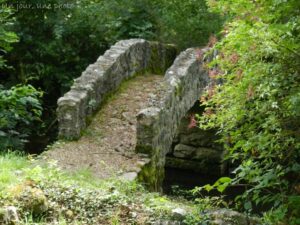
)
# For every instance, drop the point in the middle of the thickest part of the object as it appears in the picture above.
(248, 205)
(208, 187)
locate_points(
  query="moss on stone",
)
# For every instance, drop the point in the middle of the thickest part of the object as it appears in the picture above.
(155, 64)
(152, 176)
(178, 90)
(148, 177)
(144, 149)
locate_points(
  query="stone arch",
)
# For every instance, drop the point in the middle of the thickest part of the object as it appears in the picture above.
(184, 83)
(156, 126)
(123, 60)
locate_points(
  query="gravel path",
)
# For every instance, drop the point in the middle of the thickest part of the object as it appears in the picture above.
(107, 146)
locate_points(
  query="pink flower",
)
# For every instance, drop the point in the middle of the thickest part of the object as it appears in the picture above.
(193, 121)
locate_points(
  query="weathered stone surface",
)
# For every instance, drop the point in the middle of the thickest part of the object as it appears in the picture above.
(9, 215)
(184, 82)
(200, 153)
(130, 176)
(146, 120)
(184, 151)
(195, 136)
(194, 144)
(179, 214)
(199, 138)
(34, 199)
(157, 125)
(210, 154)
(230, 217)
(122, 61)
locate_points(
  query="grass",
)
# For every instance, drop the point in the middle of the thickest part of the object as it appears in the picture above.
(80, 193)
(11, 166)
(16, 168)
(80, 199)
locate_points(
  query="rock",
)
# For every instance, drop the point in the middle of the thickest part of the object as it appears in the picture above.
(125, 95)
(209, 154)
(165, 222)
(148, 116)
(130, 176)
(9, 215)
(198, 154)
(114, 113)
(184, 151)
(230, 217)
(69, 214)
(34, 200)
(18, 172)
(199, 138)
(179, 214)
(133, 214)
(151, 95)
(126, 117)
(195, 136)
(118, 149)
(176, 139)
(145, 129)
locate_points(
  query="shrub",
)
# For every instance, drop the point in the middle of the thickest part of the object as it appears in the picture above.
(257, 108)
(19, 108)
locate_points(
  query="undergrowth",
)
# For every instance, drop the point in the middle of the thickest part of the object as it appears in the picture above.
(43, 194)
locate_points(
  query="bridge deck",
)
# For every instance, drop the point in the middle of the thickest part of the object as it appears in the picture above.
(107, 147)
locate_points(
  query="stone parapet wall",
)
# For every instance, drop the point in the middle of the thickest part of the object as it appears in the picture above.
(157, 125)
(123, 60)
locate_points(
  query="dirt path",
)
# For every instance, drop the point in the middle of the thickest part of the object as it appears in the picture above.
(107, 146)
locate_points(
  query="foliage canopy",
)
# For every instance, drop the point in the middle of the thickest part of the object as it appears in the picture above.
(19, 105)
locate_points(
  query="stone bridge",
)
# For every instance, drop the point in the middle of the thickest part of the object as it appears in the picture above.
(121, 115)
